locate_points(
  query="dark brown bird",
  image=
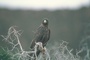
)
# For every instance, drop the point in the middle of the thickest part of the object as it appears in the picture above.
(42, 34)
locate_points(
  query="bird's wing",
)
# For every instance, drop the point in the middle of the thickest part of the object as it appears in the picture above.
(47, 37)
(48, 34)
(38, 36)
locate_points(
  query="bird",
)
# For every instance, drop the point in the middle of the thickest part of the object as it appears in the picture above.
(42, 34)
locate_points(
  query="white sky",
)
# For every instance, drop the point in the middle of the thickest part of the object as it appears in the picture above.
(43, 4)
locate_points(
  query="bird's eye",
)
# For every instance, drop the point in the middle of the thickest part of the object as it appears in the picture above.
(45, 21)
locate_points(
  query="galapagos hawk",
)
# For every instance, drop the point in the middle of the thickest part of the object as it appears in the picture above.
(42, 35)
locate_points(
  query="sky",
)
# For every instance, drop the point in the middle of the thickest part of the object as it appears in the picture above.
(44, 4)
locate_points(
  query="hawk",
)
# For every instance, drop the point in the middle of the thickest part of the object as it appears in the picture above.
(42, 35)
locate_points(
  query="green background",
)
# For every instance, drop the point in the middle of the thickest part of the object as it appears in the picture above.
(67, 25)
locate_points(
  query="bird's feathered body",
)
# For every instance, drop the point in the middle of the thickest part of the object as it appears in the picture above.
(42, 34)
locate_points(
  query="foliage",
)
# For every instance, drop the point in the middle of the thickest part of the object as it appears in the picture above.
(4, 55)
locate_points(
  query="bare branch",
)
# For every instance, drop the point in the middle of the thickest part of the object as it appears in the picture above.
(16, 51)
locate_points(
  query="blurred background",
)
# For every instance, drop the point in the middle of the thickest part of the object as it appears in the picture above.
(68, 19)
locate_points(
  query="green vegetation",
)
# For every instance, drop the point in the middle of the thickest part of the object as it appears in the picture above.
(4, 55)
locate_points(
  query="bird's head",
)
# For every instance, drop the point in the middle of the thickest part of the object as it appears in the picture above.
(45, 22)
